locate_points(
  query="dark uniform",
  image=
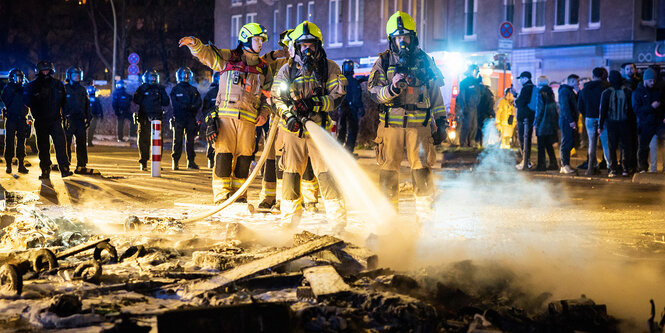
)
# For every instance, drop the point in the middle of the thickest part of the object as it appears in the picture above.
(150, 98)
(209, 101)
(186, 104)
(351, 110)
(45, 96)
(121, 103)
(96, 112)
(77, 118)
(15, 124)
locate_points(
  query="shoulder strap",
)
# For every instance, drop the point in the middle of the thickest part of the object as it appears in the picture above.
(385, 61)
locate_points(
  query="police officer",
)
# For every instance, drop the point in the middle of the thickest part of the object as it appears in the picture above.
(241, 105)
(45, 96)
(151, 98)
(467, 106)
(307, 88)
(77, 117)
(209, 106)
(407, 83)
(15, 114)
(352, 109)
(121, 103)
(186, 102)
(96, 113)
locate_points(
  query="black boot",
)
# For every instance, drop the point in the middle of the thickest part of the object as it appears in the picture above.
(45, 174)
(8, 169)
(192, 165)
(21, 167)
(174, 165)
(143, 166)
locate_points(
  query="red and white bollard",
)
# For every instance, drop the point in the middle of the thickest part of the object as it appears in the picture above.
(156, 168)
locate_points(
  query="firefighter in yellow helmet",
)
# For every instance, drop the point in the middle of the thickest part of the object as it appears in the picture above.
(305, 89)
(244, 82)
(406, 83)
(505, 118)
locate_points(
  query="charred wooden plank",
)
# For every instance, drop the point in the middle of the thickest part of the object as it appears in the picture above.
(80, 248)
(325, 281)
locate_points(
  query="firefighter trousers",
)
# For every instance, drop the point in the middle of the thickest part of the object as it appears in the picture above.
(233, 156)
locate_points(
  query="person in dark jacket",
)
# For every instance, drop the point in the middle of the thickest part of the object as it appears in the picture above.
(151, 98)
(545, 125)
(352, 109)
(121, 102)
(186, 102)
(45, 96)
(568, 115)
(485, 109)
(589, 106)
(525, 117)
(616, 115)
(210, 105)
(466, 106)
(14, 114)
(77, 117)
(96, 113)
(647, 105)
(630, 76)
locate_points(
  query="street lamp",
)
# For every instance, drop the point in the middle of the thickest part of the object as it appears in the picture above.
(115, 42)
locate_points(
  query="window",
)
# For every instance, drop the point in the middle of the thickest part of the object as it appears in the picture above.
(594, 14)
(470, 7)
(567, 14)
(388, 7)
(251, 2)
(288, 16)
(356, 10)
(509, 10)
(250, 17)
(299, 13)
(534, 15)
(334, 26)
(235, 3)
(275, 29)
(310, 11)
(647, 11)
(235, 29)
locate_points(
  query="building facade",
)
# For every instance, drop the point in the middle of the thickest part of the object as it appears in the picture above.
(549, 37)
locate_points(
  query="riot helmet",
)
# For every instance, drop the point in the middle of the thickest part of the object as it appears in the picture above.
(215, 78)
(183, 74)
(45, 65)
(16, 76)
(92, 91)
(120, 84)
(402, 24)
(248, 32)
(151, 77)
(74, 74)
(348, 67)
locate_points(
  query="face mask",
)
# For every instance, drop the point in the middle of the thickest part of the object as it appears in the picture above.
(308, 60)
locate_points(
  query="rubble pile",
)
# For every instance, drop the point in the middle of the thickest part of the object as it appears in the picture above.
(160, 275)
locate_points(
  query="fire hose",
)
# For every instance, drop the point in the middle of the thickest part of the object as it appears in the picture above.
(264, 156)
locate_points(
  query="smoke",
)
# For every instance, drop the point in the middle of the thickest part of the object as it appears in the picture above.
(495, 216)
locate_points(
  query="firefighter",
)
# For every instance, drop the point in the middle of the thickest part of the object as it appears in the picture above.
(186, 102)
(352, 109)
(77, 117)
(15, 116)
(244, 81)
(306, 89)
(96, 113)
(121, 103)
(151, 98)
(45, 96)
(505, 118)
(406, 84)
(209, 101)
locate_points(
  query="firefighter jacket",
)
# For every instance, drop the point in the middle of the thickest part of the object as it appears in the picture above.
(244, 81)
(210, 99)
(12, 97)
(505, 111)
(45, 97)
(121, 102)
(151, 98)
(77, 104)
(415, 105)
(327, 93)
(186, 102)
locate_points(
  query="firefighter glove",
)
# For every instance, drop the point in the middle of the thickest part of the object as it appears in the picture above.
(292, 122)
(211, 127)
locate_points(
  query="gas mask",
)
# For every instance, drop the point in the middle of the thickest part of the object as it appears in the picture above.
(308, 60)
